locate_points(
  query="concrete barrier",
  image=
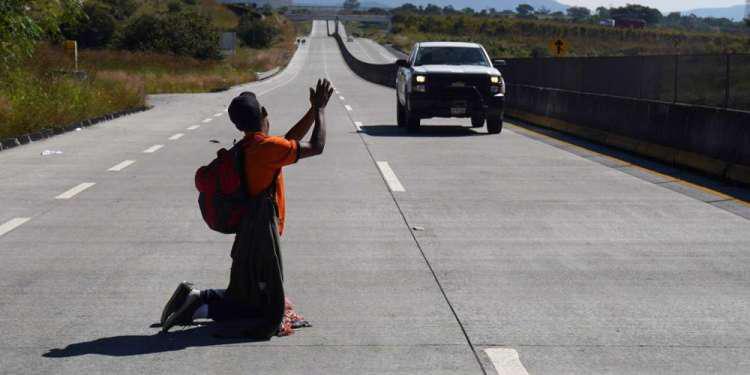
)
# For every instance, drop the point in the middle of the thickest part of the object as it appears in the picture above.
(711, 140)
(381, 74)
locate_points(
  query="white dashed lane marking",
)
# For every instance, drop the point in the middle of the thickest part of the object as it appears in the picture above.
(12, 224)
(218, 114)
(358, 125)
(390, 178)
(176, 137)
(152, 149)
(341, 97)
(348, 107)
(121, 166)
(506, 361)
(193, 127)
(206, 121)
(75, 191)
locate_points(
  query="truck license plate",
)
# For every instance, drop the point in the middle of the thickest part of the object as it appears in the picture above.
(458, 110)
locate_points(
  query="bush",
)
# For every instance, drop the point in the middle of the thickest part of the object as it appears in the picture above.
(94, 30)
(121, 9)
(256, 32)
(185, 33)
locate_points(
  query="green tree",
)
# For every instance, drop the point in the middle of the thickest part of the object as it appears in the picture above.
(579, 13)
(256, 32)
(187, 33)
(448, 9)
(351, 4)
(24, 22)
(603, 12)
(650, 15)
(468, 11)
(94, 29)
(121, 9)
(525, 10)
(432, 9)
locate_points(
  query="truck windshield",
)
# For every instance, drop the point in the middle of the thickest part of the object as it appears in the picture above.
(451, 56)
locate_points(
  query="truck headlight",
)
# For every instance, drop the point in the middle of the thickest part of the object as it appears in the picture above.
(495, 79)
(421, 79)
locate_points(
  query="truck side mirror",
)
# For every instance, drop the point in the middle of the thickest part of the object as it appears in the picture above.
(401, 63)
(498, 63)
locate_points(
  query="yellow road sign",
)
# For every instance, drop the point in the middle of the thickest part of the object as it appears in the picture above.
(558, 47)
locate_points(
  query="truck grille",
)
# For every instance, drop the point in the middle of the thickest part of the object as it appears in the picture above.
(451, 81)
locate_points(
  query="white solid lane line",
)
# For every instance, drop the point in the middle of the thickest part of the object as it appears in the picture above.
(390, 178)
(348, 107)
(506, 361)
(152, 149)
(176, 137)
(358, 125)
(74, 191)
(206, 121)
(121, 166)
(193, 127)
(12, 224)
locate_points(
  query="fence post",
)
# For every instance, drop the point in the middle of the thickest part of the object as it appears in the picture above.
(676, 75)
(726, 81)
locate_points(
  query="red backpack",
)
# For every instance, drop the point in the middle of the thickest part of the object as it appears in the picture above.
(224, 198)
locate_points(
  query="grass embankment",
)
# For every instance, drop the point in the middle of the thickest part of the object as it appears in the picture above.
(36, 95)
(511, 37)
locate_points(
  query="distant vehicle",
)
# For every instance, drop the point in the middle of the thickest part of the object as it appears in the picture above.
(450, 79)
(609, 22)
(630, 23)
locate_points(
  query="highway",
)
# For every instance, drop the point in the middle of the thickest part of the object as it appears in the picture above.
(448, 251)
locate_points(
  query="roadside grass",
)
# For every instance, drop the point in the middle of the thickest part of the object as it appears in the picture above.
(510, 37)
(41, 93)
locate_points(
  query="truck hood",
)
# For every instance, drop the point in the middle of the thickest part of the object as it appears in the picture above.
(455, 69)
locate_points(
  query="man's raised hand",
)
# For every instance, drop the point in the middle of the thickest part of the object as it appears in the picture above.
(321, 94)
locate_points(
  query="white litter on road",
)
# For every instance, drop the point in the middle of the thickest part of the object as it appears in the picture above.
(12, 224)
(121, 166)
(152, 149)
(506, 361)
(390, 178)
(75, 191)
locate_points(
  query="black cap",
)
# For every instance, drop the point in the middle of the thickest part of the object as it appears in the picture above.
(245, 112)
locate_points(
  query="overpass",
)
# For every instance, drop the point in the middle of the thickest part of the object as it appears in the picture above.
(448, 251)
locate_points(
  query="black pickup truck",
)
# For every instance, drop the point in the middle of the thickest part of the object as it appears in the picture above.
(450, 79)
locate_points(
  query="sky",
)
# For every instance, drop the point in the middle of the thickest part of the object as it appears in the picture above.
(663, 5)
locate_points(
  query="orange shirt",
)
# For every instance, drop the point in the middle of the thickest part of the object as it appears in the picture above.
(264, 157)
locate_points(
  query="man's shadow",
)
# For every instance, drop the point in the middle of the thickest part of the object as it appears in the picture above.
(123, 346)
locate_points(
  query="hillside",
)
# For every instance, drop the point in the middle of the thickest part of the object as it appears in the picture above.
(735, 13)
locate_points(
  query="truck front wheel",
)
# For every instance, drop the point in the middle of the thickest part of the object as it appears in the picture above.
(494, 124)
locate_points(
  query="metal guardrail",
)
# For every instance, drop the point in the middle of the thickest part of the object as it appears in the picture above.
(721, 81)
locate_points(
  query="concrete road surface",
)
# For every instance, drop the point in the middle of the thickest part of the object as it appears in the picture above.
(445, 252)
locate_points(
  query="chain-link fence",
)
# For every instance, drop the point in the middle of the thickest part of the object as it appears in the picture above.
(710, 80)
